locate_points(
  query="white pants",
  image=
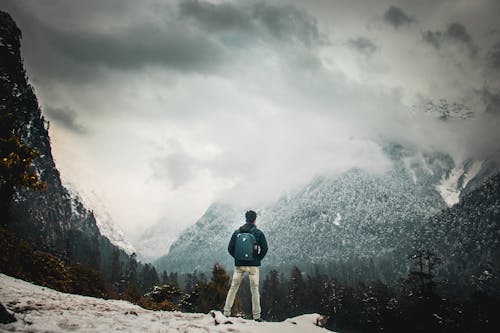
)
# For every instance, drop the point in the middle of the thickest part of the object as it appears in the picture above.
(253, 275)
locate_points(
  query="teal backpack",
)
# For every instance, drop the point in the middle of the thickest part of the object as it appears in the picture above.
(245, 246)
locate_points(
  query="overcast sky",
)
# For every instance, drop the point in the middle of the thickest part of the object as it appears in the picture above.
(159, 108)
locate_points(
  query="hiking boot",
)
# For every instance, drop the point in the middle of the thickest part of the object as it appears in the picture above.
(259, 320)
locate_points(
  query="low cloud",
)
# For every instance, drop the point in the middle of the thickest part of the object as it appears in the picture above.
(176, 167)
(493, 57)
(288, 23)
(458, 32)
(455, 33)
(255, 21)
(140, 45)
(433, 38)
(491, 101)
(217, 17)
(396, 17)
(65, 117)
(362, 45)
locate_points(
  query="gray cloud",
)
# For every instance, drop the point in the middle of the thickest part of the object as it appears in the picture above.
(397, 17)
(176, 168)
(493, 57)
(458, 32)
(288, 22)
(217, 17)
(65, 117)
(363, 45)
(455, 32)
(257, 21)
(78, 51)
(491, 101)
(140, 45)
(433, 38)
(191, 37)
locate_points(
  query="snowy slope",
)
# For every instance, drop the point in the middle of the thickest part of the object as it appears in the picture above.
(103, 219)
(452, 185)
(156, 240)
(39, 309)
(353, 215)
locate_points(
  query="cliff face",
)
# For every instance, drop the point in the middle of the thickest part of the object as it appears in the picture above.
(51, 219)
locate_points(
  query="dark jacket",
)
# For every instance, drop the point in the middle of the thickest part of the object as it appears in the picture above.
(260, 239)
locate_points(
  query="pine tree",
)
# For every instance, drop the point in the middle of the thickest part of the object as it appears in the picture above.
(173, 279)
(116, 268)
(274, 297)
(296, 292)
(213, 293)
(421, 305)
(131, 275)
(314, 291)
(421, 278)
(164, 277)
(149, 277)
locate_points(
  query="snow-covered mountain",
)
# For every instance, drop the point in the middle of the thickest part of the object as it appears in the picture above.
(199, 246)
(103, 219)
(156, 240)
(465, 237)
(40, 309)
(356, 216)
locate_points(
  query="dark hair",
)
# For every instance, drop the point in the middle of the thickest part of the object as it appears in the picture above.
(250, 216)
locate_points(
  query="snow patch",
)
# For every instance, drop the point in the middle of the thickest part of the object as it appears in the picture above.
(425, 165)
(408, 165)
(337, 220)
(472, 172)
(449, 188)
(39, 309)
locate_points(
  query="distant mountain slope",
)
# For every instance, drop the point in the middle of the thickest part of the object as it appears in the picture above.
(155, 241)
(204, 243)
(39, 309)
(467, 238)
(103, 220)
(52, 220)
(354, 215)
(370, 221)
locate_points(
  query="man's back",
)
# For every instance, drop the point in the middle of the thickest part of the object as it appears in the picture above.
(260, 241)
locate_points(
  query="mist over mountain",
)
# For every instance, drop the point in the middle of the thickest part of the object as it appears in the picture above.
(104, 221)
(362, 225)
(154, 241)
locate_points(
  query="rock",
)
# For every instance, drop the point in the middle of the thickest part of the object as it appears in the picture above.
(5, 316)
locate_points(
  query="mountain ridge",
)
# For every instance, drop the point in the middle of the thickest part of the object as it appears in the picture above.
(358, 216)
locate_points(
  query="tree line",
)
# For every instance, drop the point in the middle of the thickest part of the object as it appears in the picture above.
(418, 303)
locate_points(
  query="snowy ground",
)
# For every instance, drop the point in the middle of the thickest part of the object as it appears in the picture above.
(40, 309)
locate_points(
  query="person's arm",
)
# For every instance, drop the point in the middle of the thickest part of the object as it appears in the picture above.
(230, 247)
(263, 246)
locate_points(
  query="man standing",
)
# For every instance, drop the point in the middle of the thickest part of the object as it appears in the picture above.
(248, 246)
